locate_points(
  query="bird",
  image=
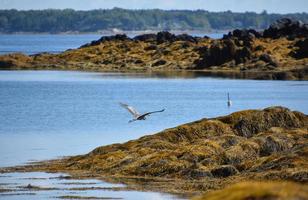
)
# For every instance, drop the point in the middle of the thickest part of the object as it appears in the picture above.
(136, 114)
(229, 102)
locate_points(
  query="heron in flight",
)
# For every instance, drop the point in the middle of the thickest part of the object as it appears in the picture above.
(136, 114)
(229, 102)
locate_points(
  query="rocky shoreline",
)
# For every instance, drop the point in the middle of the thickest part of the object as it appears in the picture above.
(277, 53)
(265, 147)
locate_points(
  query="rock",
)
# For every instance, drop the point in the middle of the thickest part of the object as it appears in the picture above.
(145, 37)
(185, 45)
(245, 34)
(217, 54)
(259, 48)
(286, 27)
(301, 176)
(186, 37)
(29, 186)
(224, 171)
(271, 145)
(221, 53)
(283, 76)
(138, 61)
(6, 64)
(302, 51)
(158, 63)
(165, 36)
(268, 59)
(151, 47)
(242, 55)
(258, 190)
(271, 117)
(207, 150)
(196, 174)
(117, 37)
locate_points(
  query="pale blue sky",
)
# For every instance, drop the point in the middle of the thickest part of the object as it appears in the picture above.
(272, 6)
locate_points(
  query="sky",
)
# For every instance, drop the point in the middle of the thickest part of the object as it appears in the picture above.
(271, 6)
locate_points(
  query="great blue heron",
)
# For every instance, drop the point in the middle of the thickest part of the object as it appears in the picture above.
(136, 114)
(229, 102)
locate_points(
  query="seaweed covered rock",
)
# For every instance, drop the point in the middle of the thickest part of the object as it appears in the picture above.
(259, 190)
(302, 49)
(222, 52)
(16, 60)
(224, 171)
(269, 144)
(150, 37)
(159, 63)
(117, 37)
(243, 34)
(242, 54)
(286, 27)
(256, 142)
(165, 36)
(268, 59)
(249, 124)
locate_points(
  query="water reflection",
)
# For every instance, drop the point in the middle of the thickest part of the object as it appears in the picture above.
(40, 185)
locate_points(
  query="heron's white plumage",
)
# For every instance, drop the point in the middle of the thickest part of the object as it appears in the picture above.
(136, 114)
(130, 109)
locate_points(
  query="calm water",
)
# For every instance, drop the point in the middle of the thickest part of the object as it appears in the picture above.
(56, 187)
(32, 44)
(48, 114)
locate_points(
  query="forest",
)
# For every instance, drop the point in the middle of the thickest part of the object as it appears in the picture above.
(68, 20)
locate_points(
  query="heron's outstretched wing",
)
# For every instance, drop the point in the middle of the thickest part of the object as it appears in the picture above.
(148, 113)
(130, 109)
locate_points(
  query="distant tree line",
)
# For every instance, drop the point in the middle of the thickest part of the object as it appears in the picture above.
(55, 21)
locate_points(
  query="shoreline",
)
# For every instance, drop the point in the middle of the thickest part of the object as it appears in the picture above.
(277, 53)
(224, 74)
(131, 32)
(142, 163)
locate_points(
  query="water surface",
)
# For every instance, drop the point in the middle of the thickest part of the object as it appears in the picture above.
(55, 186)
(38, 43)
(47, 114)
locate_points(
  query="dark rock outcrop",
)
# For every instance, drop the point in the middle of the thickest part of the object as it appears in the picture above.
(146, 37)
(221, 53)
(6, 64)
(186, 37)
(243, 34)
(286, 27)
(271, 145)
(151, 47)
(158, 63)
(165, 36)
(268, 59)
(224, 171)
(117, 37)
(302, 51)
(196, 174)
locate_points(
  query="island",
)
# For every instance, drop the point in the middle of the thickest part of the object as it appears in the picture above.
(279, 52)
